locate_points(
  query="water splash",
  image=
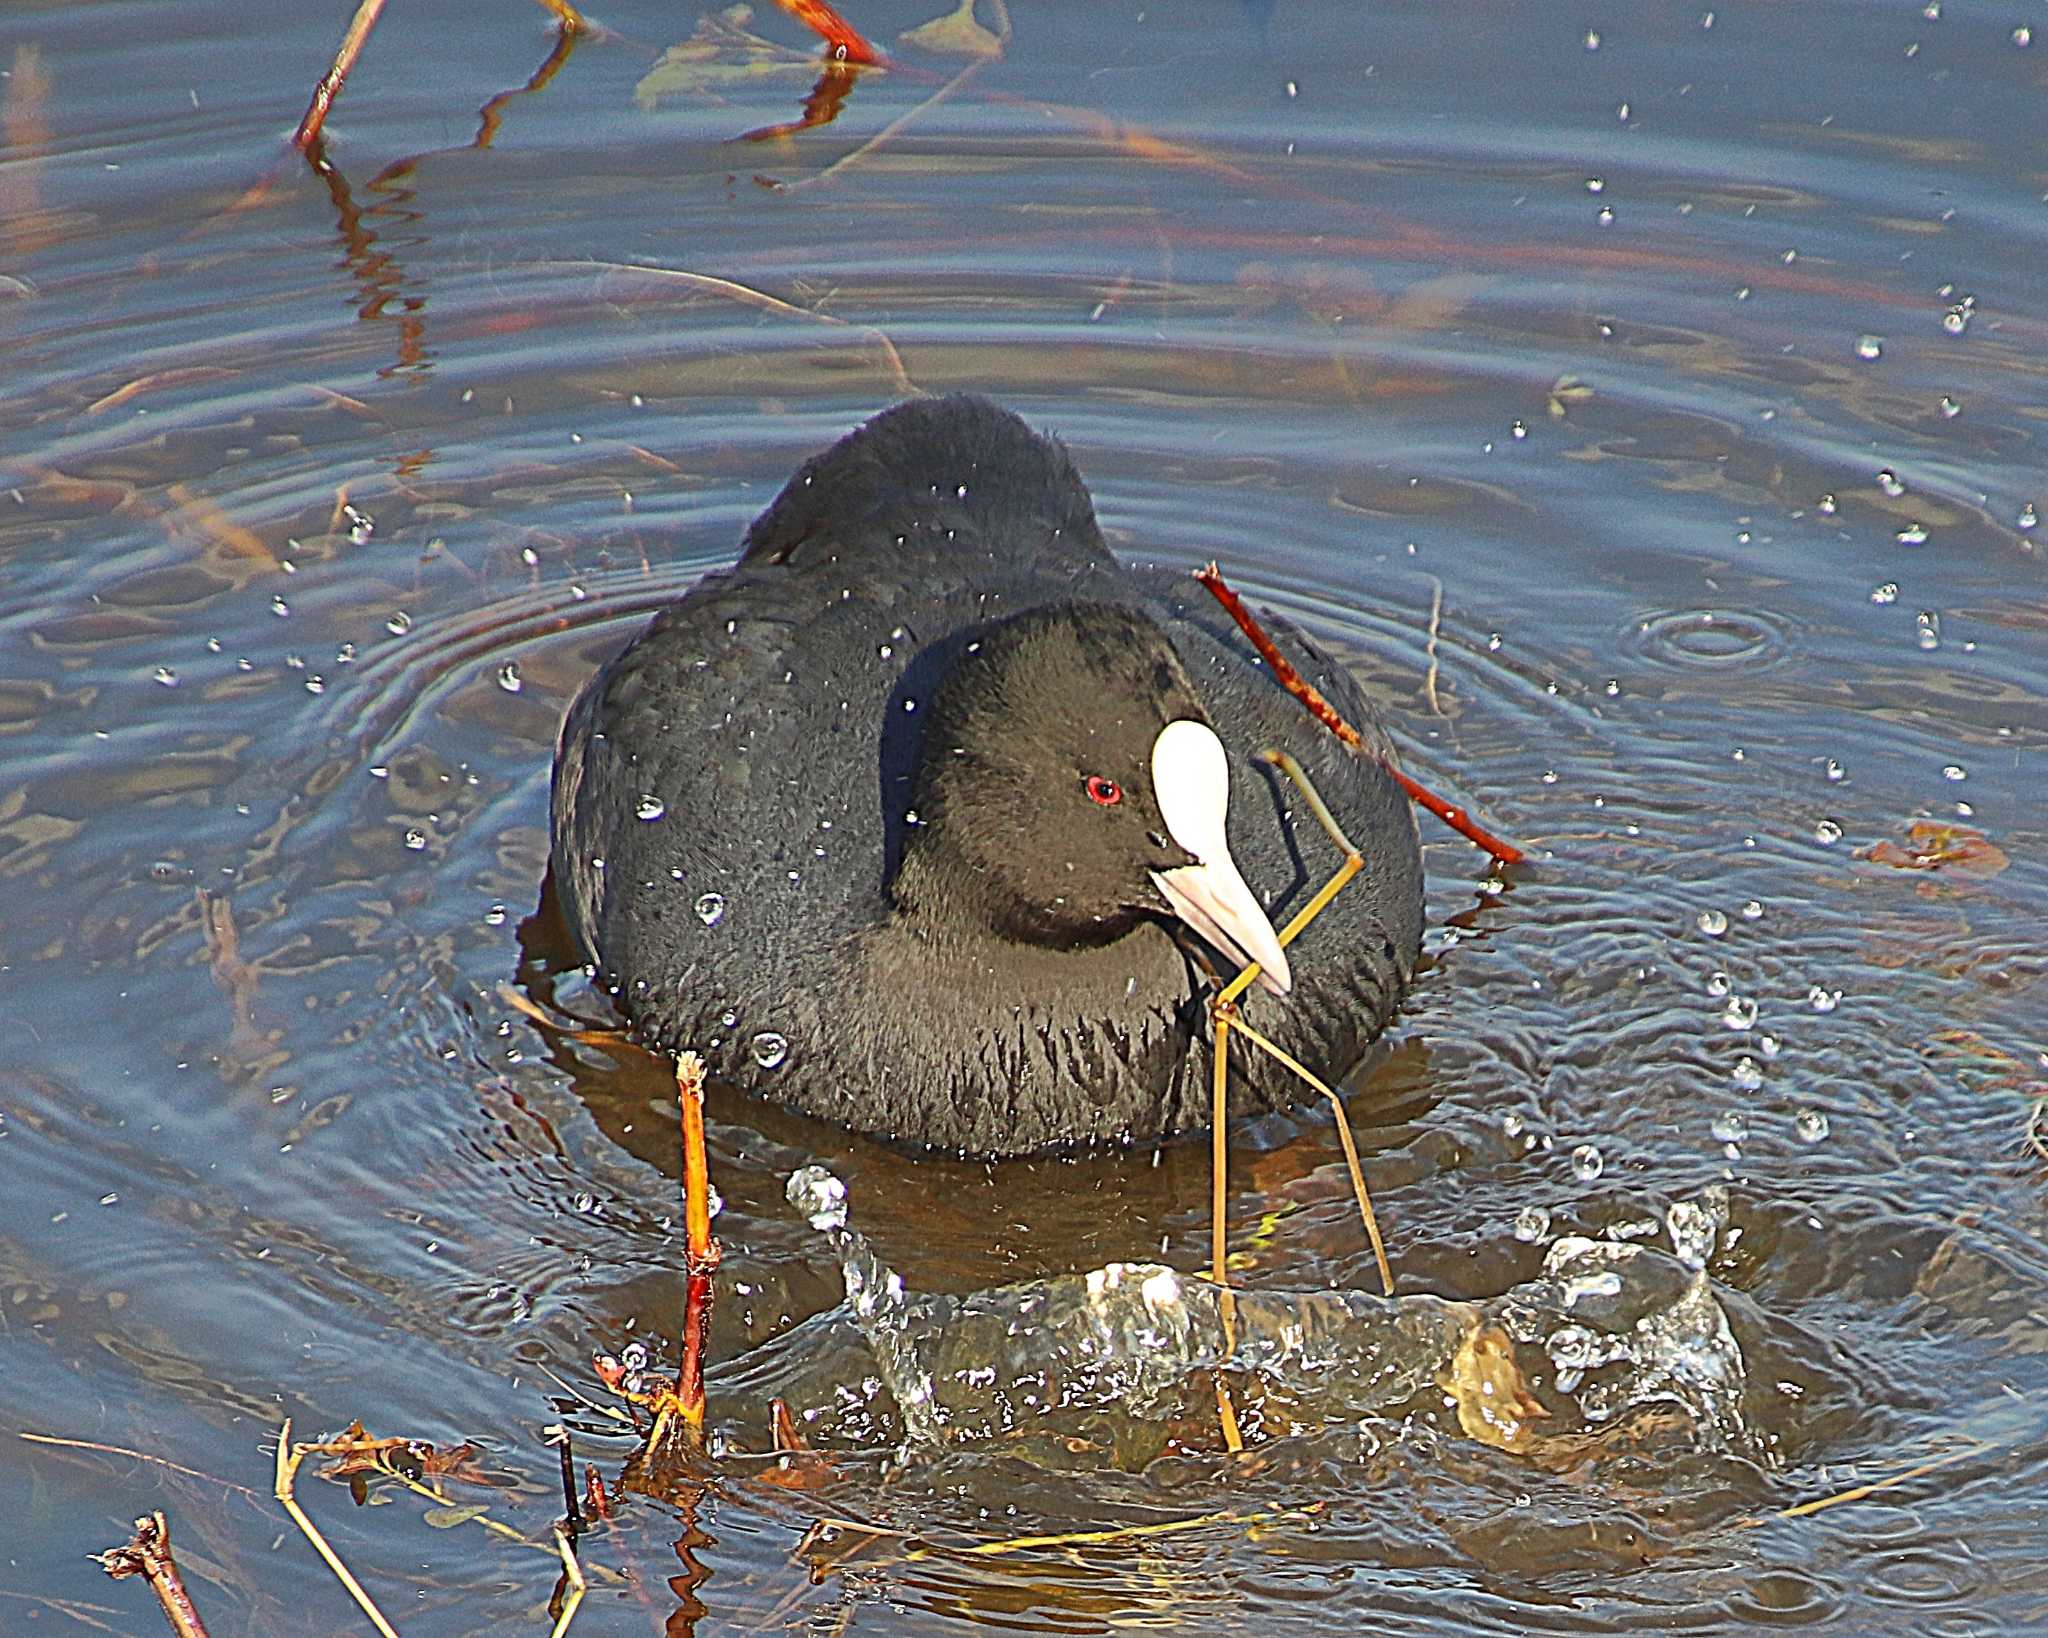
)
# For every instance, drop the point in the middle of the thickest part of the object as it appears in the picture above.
(1103, 1361)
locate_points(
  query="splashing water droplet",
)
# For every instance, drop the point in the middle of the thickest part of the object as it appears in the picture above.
(820, 1196)
(1823, 1000)
(710, 907)
(2028, 517)
(1713, 923)
(1586, 1162)
(1827, 833)
(1811, 1125)
(399, 624)
(1914, 534)
(166, 676)
(1739, 1013)
(509, 678)
(1954, 772)
(1887, 593)
(1888, 481)
(1532, 1223)
(416, 840)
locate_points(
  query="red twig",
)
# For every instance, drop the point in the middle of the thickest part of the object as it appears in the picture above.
(329, 87)
(845, 41)
(1326, 713)
(702, 1254)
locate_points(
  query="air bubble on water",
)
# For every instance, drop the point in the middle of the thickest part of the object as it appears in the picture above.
(1747, 1077)
(1604, 216)
(2023, 36)
(1717, 984)
(1739, 1013)
(399, 623)
(650, 807)
(1823, 1000)
(1586, 1162)
(583, 1203)
(1769, 1045)
(710, 907)
(1869, 346)
(1954, 772)
(1887, 593)
(1957, 319)
(509, 678)
(1713, 923)
(1888, 481)
(1811, 1125)
(1753, 910)
(1827, 833)
(1532, 1223)
(415, 838)
(165, 675)
(1826, 506)
(1914, 534)
(770, 1049)
(820, 1196)
(1594, 184)
(1518, 431)
(1927, 629)
(2028, 517)
(1575, 1288)
(1592, 39)
(1950, 407)
(1514, 1123)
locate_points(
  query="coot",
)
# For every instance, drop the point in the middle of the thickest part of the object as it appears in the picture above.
(929, 818)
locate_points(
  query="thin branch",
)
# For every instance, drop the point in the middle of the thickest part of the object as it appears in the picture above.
(1327, 714)
(148, 1554)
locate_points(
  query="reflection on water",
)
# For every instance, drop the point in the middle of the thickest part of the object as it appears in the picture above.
(1646, 407)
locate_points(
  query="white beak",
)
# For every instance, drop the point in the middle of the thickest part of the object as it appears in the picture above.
(1191, 779)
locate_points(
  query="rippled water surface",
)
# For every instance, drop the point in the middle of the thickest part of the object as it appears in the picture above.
(1648, 400)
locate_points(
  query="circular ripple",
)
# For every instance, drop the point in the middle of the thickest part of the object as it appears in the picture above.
(1710, 639)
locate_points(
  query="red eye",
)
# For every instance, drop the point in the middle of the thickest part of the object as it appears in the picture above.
(1105, 792)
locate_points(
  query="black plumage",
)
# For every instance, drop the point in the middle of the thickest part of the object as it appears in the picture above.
(829, 821)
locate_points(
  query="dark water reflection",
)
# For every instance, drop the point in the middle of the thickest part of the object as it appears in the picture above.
(1649, 404)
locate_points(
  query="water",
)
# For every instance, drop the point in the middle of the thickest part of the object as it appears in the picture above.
(1525, 357)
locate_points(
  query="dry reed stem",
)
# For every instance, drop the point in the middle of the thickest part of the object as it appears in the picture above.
(1863, 1492)
(1436, 615)
(577, 1585)
(748, 296)
(288, 1458)
(134, 1455)
(1358, 1189)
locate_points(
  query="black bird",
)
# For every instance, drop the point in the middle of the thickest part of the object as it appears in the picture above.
(928, 818)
